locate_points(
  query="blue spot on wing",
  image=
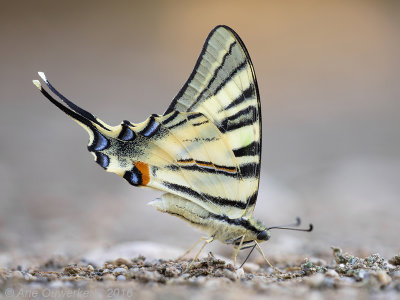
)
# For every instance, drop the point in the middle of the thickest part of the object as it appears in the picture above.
(102, 143)
(151, 128)
(102, 159)
(99, 142)
(126, 134)
(134, 176)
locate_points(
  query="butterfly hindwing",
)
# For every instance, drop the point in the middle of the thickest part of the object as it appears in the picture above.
(206, 148)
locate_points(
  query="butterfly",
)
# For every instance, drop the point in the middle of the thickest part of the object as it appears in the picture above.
(204, 152)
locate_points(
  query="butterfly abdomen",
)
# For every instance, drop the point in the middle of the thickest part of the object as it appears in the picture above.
(221, 227)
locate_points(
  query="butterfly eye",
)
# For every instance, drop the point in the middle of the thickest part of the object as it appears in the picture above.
(263, 235)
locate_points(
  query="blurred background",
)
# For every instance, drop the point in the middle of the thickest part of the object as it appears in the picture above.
(328, 74)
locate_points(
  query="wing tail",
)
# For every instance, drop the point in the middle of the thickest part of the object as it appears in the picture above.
(100, 134)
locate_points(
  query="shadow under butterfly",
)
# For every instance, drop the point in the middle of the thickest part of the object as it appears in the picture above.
(203, 152)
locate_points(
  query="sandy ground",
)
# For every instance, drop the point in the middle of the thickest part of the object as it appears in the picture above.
(335, 276)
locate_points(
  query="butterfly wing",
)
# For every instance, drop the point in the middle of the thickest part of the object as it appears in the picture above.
(205, 148)
(223, 87)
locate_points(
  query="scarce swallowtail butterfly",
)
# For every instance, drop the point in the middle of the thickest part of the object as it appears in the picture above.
(203, 152)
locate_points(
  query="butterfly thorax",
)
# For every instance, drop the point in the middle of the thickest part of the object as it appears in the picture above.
(231, 231)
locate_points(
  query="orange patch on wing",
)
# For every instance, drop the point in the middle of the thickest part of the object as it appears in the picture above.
(207, 165)
(144, 169)
(230, 170)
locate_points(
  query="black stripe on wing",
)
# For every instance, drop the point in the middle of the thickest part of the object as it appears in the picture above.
(247, 94)
(249, 150)
(244, 117)
(215, 200)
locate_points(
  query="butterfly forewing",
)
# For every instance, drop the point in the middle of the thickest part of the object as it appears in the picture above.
(223, 87)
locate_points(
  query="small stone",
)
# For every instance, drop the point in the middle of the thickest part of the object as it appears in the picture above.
(17, 275)
(147, 276)
(119, 271)
(240, 273)
(132, 272)
(29, 277)
(71, 269)
(90, 268)
(395, 260)
(121, 278)
(232, 276)
(185, 276)
(172, 271)
(109, 277)
(383, 277)
(362, 274)
(251, 267)
(316, 280)
(149, 263)
(122, 262)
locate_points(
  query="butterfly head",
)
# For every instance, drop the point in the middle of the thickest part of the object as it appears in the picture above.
(263, 235)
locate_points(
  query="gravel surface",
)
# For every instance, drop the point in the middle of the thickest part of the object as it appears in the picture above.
(345, 275)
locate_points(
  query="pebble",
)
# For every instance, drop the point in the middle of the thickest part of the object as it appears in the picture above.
(232, 276)
(29, 277)
(383, 277)
(17, 275)
(185, 276)
(240, 273)
(122, 261)
(121, 278)
(109, 277)
(332, 273)
(172, 271)
(149, 263)
(90, 268)
(71, 269)
(395, 260)
(362, 274)
(250, 267)
(119, 271)
(316, 280)
(147, 276)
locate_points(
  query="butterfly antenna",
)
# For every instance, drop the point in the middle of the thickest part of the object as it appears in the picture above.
(309, 229)
(298, 222)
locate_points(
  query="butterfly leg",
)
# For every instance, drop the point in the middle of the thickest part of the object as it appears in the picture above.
(235, 254)
(207, 241)
(262, 253)
(191, 248)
